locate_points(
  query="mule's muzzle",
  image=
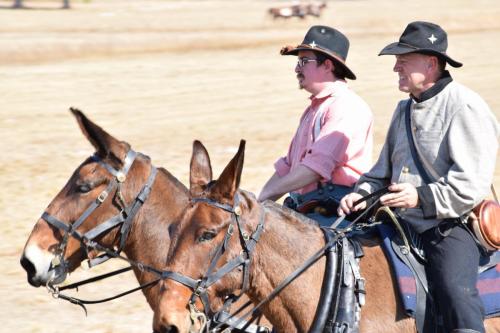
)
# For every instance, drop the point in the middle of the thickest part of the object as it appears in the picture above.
(55, 275)
(168, 329)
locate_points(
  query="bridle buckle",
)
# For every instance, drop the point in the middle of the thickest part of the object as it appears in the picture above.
(198, 290)
(101, 197)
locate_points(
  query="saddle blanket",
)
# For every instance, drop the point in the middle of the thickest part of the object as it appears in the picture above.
(488, 283)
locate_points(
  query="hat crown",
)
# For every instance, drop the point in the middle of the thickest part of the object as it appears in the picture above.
(425, 35)
(327, 41)
(327, 38)
(422, 37)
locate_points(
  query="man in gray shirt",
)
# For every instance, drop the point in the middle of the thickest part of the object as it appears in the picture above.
(456, 140)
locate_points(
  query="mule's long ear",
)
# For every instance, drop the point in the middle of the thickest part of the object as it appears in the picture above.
(229, 180)
(201, 169)
(105, 144)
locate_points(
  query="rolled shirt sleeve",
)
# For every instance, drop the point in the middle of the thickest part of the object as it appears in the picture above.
(282, 166)
(326, 153)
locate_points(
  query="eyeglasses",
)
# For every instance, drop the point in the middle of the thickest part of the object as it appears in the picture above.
(301, 62)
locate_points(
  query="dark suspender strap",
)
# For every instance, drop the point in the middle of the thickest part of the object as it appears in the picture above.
(421, 170)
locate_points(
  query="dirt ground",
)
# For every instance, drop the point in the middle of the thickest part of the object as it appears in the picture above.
(159, 74)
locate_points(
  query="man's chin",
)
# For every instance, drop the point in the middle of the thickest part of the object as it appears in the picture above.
(404, 88)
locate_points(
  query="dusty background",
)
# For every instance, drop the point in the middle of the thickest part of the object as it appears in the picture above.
(159, 74)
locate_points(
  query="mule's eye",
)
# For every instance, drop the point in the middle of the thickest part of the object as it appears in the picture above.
(83, 188)
(206, 236)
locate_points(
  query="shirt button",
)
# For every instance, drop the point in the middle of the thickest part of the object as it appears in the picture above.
(406, 169)
(403, 210)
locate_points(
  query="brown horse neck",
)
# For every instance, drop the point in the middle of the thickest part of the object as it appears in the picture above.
(149, 237)
(288, 240)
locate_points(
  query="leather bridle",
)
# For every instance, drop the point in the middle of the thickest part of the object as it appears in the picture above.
(248, 243)
(124, 218)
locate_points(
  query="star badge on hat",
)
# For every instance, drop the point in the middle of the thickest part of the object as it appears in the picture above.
(432, 39)
(313, 44)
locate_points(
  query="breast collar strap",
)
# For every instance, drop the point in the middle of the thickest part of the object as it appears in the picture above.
(125, 217)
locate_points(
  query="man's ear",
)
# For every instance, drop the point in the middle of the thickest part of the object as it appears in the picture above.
(329, 65)
(433, 62)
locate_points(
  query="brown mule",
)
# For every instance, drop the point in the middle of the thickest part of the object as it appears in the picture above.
(149, 235)
(287, 240)
(148, 239)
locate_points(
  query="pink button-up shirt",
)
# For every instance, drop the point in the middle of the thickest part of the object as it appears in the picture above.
(342, 151)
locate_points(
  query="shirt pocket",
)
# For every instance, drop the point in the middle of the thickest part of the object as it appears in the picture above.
(429, 143)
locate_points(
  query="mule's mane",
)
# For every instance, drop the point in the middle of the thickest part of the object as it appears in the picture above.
(172, 179)
(288, 213)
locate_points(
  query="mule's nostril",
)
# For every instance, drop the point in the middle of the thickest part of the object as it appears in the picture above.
(28, 266)
(30, 270)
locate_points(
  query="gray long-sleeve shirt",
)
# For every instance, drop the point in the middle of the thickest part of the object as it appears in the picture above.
(457, 134)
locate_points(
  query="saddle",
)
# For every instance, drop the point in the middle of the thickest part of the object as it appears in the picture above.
(324, 200)
(407, 262)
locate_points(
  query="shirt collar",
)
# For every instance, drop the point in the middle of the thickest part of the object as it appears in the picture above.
(330, 90)
(436, 88)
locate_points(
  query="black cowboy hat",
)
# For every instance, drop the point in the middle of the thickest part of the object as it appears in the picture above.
(326, 40)
(422, 37)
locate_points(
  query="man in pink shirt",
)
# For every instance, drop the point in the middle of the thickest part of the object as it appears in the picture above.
(333, 143)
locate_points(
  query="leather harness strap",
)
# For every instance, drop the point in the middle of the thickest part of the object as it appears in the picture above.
(125, 217)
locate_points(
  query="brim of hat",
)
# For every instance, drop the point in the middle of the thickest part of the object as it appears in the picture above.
(398, 48)
(289, 50)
